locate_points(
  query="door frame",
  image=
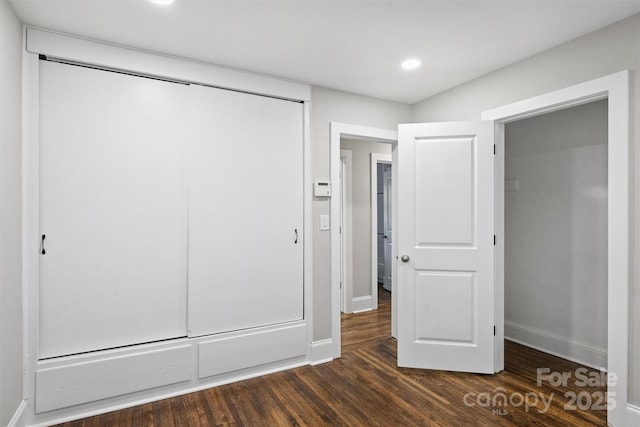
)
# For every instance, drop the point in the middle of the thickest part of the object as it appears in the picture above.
(376, 159)
(615, 88)
(339, 131)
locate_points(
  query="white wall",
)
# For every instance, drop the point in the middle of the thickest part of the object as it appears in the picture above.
(556, 232)
(10, 222)
(609, 50)
(361, 213)
(328, 106)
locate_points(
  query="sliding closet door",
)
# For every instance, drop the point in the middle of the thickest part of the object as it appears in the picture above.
(113, 210)
(245, 211)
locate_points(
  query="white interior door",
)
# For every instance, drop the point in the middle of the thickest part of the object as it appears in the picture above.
(113, 208)
(245, 211)
(445, 237)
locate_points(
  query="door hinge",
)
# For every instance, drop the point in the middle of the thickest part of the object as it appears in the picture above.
(494, 149)
(494, 330)
(494, 240)
(340, 285)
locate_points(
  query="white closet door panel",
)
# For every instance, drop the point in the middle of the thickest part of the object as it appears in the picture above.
(245, 267)
(113, 205)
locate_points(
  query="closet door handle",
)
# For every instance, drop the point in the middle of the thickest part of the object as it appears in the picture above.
(42, 251)
(295, 231)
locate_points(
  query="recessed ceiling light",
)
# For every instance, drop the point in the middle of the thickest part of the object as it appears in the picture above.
(162, 2)
(410, 64)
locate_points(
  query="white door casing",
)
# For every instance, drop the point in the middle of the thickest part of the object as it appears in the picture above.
(113, 203)
(615, 88)
(445, 238)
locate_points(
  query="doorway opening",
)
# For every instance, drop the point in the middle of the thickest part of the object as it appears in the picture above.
(365, 180)
(614, 89)
(384, 225)
(556, 233)
(339, 132)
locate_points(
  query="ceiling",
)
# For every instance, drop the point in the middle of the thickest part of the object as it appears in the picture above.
(351, 45)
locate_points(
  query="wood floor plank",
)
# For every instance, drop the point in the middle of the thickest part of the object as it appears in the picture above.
(366, 388)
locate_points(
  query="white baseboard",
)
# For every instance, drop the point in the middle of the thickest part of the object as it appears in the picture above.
(633, 415)
(361, 304)
(556, 345)
(19, 418)
(321, 352)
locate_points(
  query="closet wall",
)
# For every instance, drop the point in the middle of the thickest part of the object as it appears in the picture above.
(556, 232)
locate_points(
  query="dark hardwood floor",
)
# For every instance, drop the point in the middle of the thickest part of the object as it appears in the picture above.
(365, 388)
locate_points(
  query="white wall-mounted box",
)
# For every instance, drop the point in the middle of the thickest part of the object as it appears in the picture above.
(322, 189)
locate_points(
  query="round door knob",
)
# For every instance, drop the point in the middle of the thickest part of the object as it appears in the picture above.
(404, 258)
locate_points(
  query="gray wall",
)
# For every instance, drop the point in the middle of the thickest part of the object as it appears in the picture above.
(334, 106)
(556, 232)
(10, 222)
(609, 50)
(361, 213)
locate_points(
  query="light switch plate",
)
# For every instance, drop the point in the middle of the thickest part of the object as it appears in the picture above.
(324, 222)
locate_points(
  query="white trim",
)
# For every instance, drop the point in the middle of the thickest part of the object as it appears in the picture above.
(30, 218)
(220, 355)
(633, 415)
(375, 159)
(104, 55)
(83, 381)
(566, 348)
(320, 352)
(346, 233)
(19, 418)
(394, 248)
(307, 237)
(498, 274)
(361, 304)
(338, 131)
(615, 88)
